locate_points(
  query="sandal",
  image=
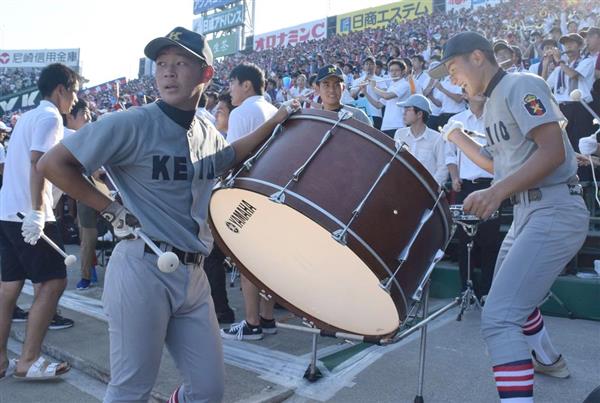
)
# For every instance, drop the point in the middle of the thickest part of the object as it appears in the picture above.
(42, 370)
(12, 365)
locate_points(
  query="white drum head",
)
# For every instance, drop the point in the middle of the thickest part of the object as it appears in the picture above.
(300, 261)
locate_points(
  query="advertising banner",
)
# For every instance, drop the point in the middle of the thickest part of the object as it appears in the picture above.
(220, 21)
(455, 5)
(22, 100)
(380, 17)
(225, 45)
(38, 57)
(483, 3)
(201, 6)
(291, 36)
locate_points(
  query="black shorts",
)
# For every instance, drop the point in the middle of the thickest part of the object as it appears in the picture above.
(21, 261)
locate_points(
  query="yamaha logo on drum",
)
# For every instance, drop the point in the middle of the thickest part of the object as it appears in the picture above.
(241, 215)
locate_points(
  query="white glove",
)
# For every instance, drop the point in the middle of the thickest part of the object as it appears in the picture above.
(291, 106)
(33, 226)
(450, 127)
(122, 220)
(588, 145)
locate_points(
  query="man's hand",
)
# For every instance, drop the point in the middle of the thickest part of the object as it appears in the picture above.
(286, 109)
(33, 226)
(483, 203)
(122, 220)
(456, 184)
(450, 127)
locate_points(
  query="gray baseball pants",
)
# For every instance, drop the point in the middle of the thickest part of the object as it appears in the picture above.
(544, 236)
(147, 309)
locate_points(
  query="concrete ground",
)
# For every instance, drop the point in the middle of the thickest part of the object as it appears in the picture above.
(457, 367)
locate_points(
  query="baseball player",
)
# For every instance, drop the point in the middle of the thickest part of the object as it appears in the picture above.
(164, 161)
(534, 165)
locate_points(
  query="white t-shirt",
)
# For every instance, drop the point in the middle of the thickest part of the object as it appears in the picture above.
(421, 81)
(253, 112)
(37, 130)
(2, 154)
(393, 116)
(371, 110)
(448, 104)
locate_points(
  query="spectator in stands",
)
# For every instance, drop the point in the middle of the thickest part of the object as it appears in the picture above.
(330, 80)
(574, 73)
(222, 112)
(398, 90)
(451, 98)
(360, 87)
(246, 86)
(544, 67)
(425, 144)
(592, 40)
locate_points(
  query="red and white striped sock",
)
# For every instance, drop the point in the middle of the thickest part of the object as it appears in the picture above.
(538, 339)
(177, 396)
(514, 381)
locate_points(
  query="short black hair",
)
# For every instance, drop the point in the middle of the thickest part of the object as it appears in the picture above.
(419, 57)
(225, 97)
(312, 79)
(79, 106)
(249, 72)
(425, 115)
(54, 75)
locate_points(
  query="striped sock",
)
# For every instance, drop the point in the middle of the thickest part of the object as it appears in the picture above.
(538, 339)
(514, 381)
(177, 396)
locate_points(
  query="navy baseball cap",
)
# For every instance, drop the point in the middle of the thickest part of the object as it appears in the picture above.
(590, 31)
(329, 70)
(460, 44)
(416, 101)
(193, 42)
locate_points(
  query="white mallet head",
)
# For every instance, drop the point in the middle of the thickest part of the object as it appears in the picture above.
(168, 262)
(70, 260)
(576, 95)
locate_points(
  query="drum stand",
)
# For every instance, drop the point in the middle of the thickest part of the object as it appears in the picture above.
(468, 297)
(313, 373)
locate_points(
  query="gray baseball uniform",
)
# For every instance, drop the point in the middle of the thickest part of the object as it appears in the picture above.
(545, 233)
(165, 175)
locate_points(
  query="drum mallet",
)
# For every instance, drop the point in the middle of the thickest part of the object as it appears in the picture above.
(69, 259)
(168, 262)
(576, 96)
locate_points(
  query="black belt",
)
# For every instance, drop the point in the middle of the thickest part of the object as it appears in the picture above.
(536, 194)
(184, 257)
(478, 180)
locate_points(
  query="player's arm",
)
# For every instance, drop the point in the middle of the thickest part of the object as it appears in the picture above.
(60, 167)
(458, 98)
(471, 149)
(245, 145)
(370, 99)
(382, 93)
(36, 182)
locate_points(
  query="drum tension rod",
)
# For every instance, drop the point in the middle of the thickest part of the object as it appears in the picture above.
(386, 283)
(279, 196)
(247, 165)
(340, 234)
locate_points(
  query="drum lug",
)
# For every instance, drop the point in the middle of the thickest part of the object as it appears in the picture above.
(265, 296)
(340, 236)
(248, 165)
(278, 197)
(385, 284)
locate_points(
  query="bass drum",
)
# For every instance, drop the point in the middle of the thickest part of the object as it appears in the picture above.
(287, 248)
